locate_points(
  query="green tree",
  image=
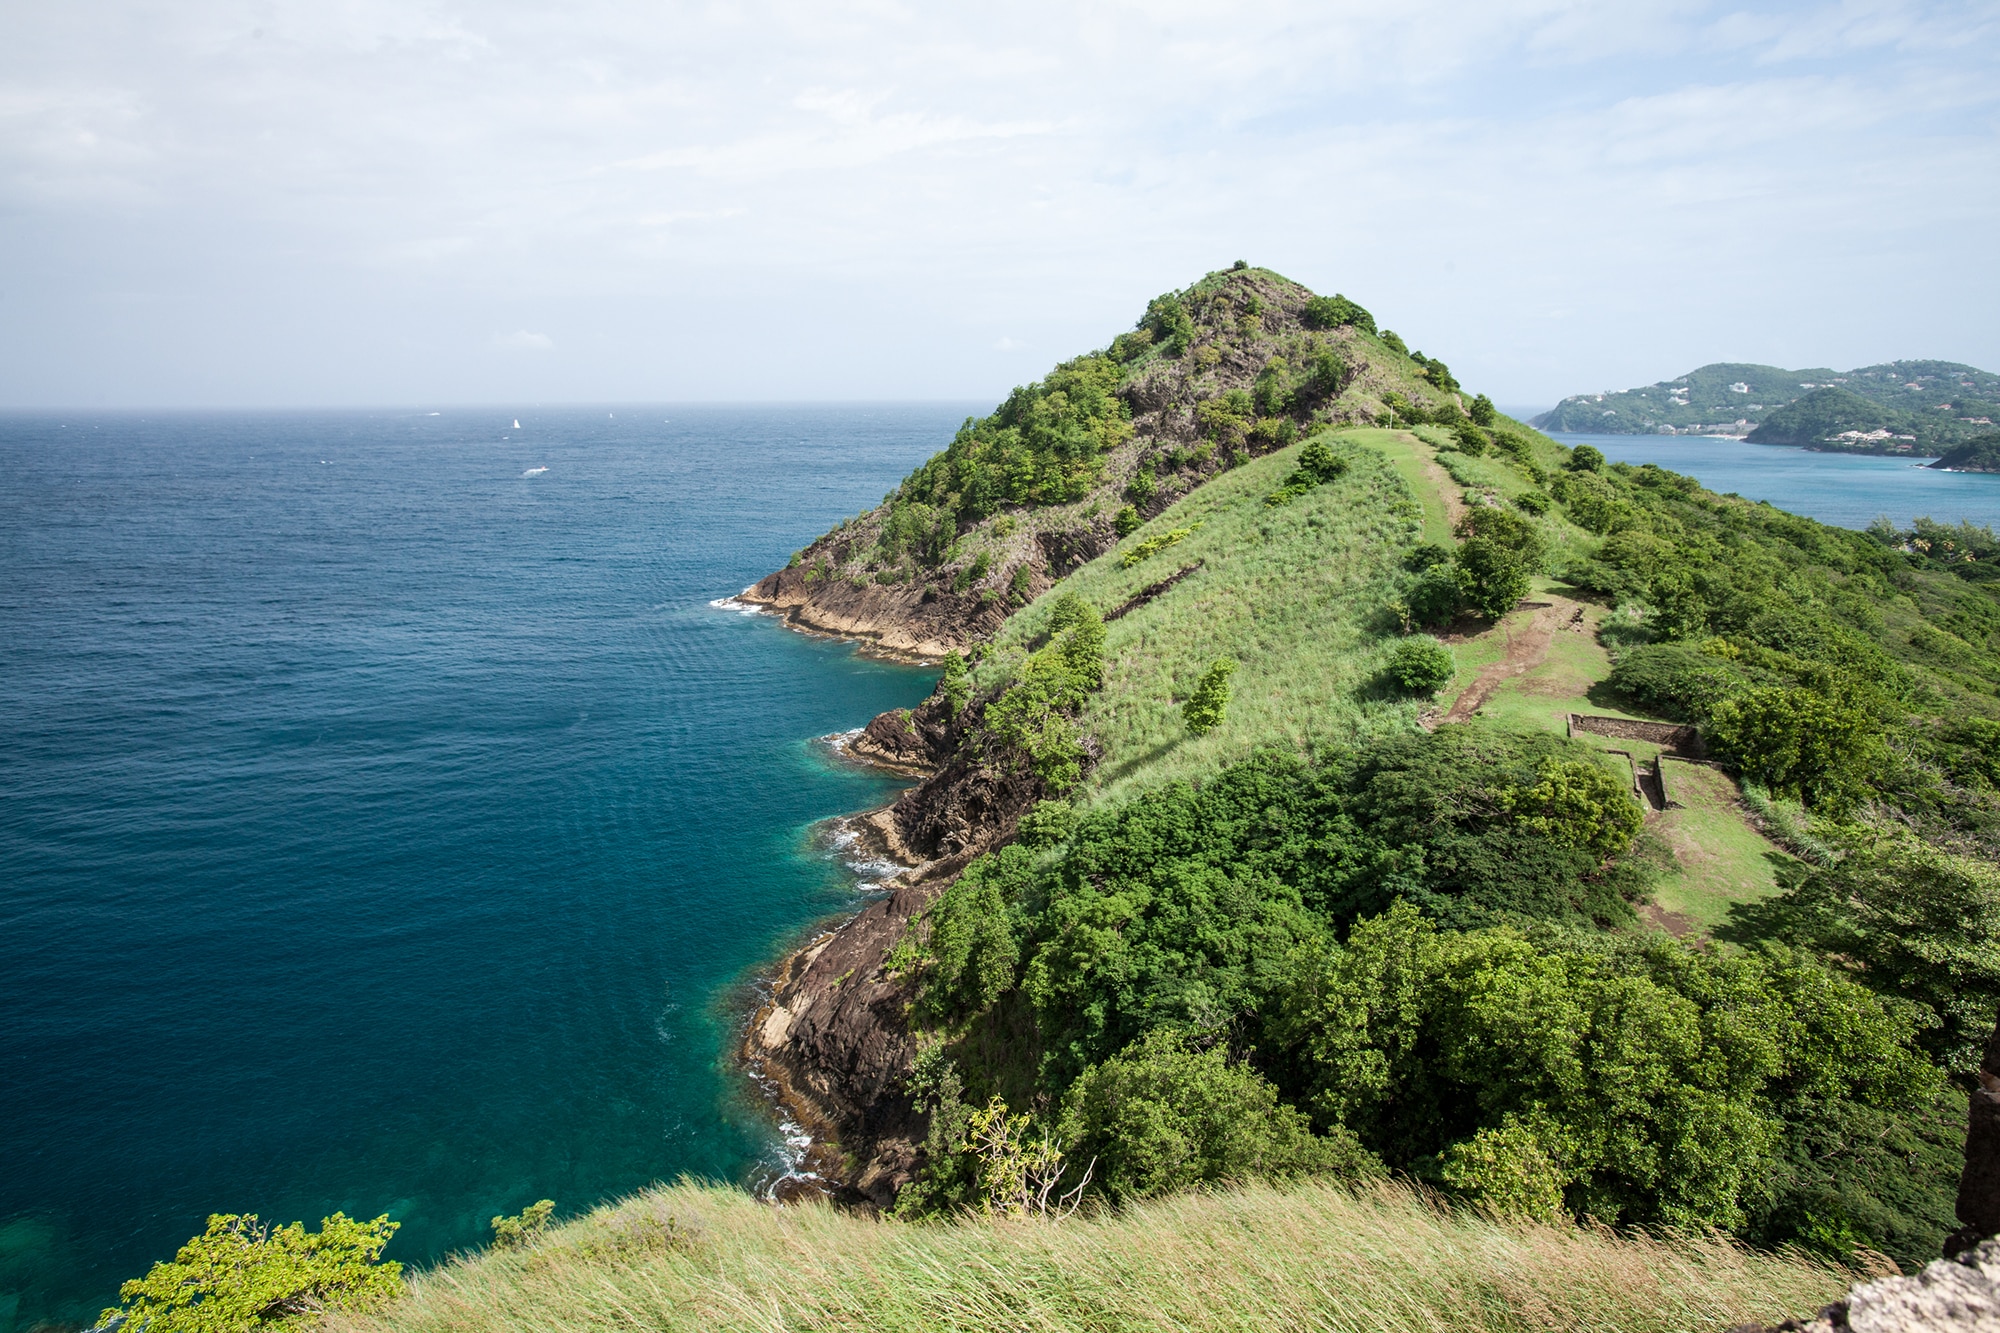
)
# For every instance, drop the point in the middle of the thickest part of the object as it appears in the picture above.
(1160, 1116)
(240, 1274)
(1585, 458)
(1422, 665)
(972, 947)
(1642, 1080)
(523, 1228)
(1483, 411)
(1204, 709)
(954, 683)
(1577, 803)
(1171, 325)
(1332, 312)
(1049, 824)
(1910, 921)
(1495, 577)
(1797, 741)
(1439, 594)
(1272, 392)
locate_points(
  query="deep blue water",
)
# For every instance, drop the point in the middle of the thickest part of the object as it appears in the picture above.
(1845, 490)
(383, 828)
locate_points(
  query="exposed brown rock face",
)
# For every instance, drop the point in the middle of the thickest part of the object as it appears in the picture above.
(1979, 1186)
(832, 1038)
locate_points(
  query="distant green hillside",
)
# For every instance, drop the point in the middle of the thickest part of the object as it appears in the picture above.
(1981, 454)
(1899, 407)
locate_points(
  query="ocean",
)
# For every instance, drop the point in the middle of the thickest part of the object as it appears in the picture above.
(389, 822)
(1845, 490)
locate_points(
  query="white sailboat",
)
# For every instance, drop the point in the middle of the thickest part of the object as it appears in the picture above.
(517, 423)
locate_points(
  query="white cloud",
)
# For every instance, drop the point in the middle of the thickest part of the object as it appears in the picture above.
(862, 191)
(523, 341)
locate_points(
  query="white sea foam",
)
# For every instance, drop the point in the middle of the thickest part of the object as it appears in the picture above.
(534, 472)
(741, 608)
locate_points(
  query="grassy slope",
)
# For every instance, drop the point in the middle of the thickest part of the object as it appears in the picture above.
(1315, 1257)
(1297, 594)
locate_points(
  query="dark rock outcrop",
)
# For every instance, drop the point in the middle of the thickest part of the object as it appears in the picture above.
(1979, 1186)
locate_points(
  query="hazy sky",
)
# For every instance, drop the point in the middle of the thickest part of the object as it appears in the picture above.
(216, 202)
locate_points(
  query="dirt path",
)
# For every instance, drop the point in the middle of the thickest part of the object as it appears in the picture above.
(1527, 648)
(1440, 480)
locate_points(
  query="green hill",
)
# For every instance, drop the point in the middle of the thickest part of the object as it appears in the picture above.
(1898, 407)
(1335, 789)
(1979, 454)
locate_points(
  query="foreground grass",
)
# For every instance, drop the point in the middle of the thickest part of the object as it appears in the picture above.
(1263, 1259)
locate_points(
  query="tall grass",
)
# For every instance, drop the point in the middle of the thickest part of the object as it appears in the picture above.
(1298, 594)
(1254, 1260)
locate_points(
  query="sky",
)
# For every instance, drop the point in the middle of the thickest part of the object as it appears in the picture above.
(241, 203)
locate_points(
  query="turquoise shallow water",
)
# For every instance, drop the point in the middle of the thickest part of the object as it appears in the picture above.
(386, 825)
(1846, 490)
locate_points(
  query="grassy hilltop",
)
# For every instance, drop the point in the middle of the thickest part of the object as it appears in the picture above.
(1288, 958)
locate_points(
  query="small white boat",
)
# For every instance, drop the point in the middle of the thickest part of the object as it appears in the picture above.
(517, 423)
(534, 472)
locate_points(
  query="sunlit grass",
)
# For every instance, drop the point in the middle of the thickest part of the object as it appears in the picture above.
(1298, 594)
(1255, 1260)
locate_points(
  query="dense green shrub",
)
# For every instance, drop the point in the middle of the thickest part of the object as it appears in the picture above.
(1422, 665)
(1204, 709)
(1326, 375)
(240, 1274)
(1035, 718)
(1160, 1116)
(1585, 458)
(954, 683)
(523, 1228)
(1634, 1080)
(1468, 438)
(1495, 577)
(1271, 394)
(1168, 321)
(1143, 486)
(1317, 465)
(1048, 824)
(1021, 583)
(1796, 741)
(1126, 521)
(1045, 445)
(1908, 921)
(1332, 312)
(972, 950)
(1439, 594)
(1483, 412)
